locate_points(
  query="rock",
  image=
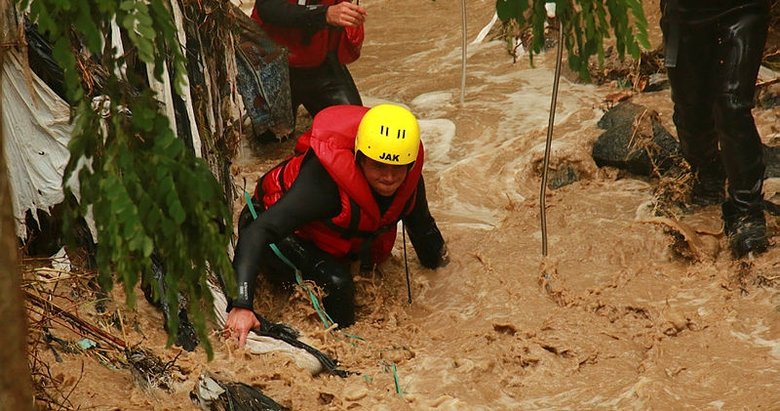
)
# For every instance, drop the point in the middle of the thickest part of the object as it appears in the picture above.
(635, 141)
(564, 175)
(626, 147)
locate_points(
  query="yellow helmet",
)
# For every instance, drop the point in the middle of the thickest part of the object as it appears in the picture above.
(388, 134)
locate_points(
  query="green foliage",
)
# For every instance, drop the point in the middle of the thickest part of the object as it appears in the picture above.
(146, 191)
(586, 23)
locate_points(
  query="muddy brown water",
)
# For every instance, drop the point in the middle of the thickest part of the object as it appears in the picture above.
(610, 319)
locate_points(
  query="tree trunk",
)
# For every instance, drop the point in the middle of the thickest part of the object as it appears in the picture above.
(15, 380)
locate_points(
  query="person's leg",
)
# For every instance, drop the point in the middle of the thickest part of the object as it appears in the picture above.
(327, 85)
(691, 83)
(316, 265)
(743, 37)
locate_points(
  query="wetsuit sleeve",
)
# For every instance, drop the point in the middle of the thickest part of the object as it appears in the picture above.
(423, 232)
(313, 196)
(285, 14)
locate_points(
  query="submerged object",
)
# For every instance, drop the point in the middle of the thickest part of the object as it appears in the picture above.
(186, 336)
(290, 336)
(212, 394)
(276, 337)
(150, 372)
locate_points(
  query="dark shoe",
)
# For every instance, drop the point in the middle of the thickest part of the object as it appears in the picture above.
(745, 228)
(709, 185)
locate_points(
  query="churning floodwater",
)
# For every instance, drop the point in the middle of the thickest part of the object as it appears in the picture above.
(610, 319)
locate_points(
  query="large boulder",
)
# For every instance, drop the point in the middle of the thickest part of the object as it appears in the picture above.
(635, 140)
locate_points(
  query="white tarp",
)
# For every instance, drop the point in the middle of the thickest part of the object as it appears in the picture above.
(258, 344)
(36, 132)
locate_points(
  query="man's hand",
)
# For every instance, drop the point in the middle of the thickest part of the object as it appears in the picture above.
(239, 322)
(345, 14)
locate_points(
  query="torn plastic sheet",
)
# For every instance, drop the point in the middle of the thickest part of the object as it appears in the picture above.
(258, 344)
(37, 130)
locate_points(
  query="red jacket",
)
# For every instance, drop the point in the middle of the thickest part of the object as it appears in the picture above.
(359, 224)
(310, 52)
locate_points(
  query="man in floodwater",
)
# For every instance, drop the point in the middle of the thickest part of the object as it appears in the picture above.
(713, 53)
(355, 174)
(321, 37)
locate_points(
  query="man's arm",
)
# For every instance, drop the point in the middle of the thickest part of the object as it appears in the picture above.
(285, 14)
(313, 196)
(423, 232)
(311, 18)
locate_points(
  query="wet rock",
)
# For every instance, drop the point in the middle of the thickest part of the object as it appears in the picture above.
(635, 141)
(564, 175)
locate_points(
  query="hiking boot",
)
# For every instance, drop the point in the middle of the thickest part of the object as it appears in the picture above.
(745, 227)
(709, 185)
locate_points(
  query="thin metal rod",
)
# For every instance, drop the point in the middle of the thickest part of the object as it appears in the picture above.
(546, 163)
(463, 52)
(406, 265)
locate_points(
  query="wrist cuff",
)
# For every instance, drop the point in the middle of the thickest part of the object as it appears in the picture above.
(239, 304)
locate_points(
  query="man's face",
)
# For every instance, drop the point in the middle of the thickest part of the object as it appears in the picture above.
(383, 178)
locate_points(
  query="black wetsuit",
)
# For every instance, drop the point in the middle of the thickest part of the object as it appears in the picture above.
(713, 53)
(318, 87)
(315, 196)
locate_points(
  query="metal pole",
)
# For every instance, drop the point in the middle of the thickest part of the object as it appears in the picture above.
(406, 265)
(463, 52)
(545, 164)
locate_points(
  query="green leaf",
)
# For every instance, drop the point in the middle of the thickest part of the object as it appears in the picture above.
(143, 118)
(511, 10)
(585, 25)
(90, 33)
(146, 191)
(127, 5)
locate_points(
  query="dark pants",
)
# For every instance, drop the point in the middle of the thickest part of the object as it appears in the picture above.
(713, 87)
(326, 271)
(319, 87)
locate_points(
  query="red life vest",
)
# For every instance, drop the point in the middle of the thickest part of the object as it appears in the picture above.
(346, 42)
(359, 224)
